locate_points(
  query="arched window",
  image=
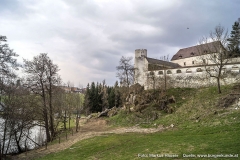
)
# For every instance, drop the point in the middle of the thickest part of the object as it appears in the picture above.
(188, 71)
(235, 68)
(160, 72)
(199, 70)
(178, 71)
(209, 69)
(169, 72)
(151, 73)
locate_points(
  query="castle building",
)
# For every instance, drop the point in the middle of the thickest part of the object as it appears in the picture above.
(187, 68)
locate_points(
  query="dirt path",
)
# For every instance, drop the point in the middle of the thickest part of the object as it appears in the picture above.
(90, 129)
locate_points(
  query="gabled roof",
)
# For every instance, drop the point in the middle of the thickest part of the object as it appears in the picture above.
(194, 50)
(163, 63)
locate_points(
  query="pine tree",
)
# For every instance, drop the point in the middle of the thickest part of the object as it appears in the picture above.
(92, 97)
(104, 97)
(234, 40)
(111, 98)
(98, 98)
(87, 100)
(117, 95)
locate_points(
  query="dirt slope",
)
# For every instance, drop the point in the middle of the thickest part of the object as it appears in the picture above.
(95, 127)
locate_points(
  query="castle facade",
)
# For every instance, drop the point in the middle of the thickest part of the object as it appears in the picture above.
(194, 66)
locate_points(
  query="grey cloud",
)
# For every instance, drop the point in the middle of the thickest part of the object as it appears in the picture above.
(87, 38)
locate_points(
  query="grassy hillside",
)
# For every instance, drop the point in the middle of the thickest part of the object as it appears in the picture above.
(192, 107)
(201, 128)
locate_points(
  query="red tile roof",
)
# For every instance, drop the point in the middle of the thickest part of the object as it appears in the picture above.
(194, 50)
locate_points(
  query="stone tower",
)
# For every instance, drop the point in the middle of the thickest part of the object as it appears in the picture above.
(140, 63)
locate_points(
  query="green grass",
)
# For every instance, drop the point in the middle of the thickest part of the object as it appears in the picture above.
(196, 140)
(201, 127)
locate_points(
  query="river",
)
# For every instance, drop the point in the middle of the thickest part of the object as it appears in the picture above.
(36, 134)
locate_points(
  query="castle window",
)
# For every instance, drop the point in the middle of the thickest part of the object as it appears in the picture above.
(151, 73)
(199, 70)
(179, 71)
(169, 72)
(204, 61)
(209, 69)
(235, 68)
(160, 72)
(184, 63)
(188, 71)
(192, 62)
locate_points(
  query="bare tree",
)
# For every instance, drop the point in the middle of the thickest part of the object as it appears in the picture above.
(42, 76)
(79, 98)
(8, 64)
(152, 79)
(213, 53)
(125, 71)
(59, 104)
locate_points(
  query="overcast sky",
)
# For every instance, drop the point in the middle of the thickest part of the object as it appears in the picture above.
(87, 38)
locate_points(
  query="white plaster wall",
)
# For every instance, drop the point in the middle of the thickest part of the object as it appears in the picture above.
(199, 79)
(188, 61)
(198, 60)
(184, 79)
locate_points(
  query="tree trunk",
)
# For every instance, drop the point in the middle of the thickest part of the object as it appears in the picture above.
(46, 125)
(65, 120)
(51, 113)
(17, 143)
(219, 86)
(4, 137)
(45, 113)
(69, 121)
(165, 80)
(77, 121)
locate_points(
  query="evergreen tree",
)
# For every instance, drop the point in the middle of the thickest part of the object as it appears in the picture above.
(111, 98)
(234, 40)
(117, 94)
(98, 98)
(92, 97)
(87, 100)
(104, 97)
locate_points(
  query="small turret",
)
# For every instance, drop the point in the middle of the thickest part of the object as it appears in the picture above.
(139, 63)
